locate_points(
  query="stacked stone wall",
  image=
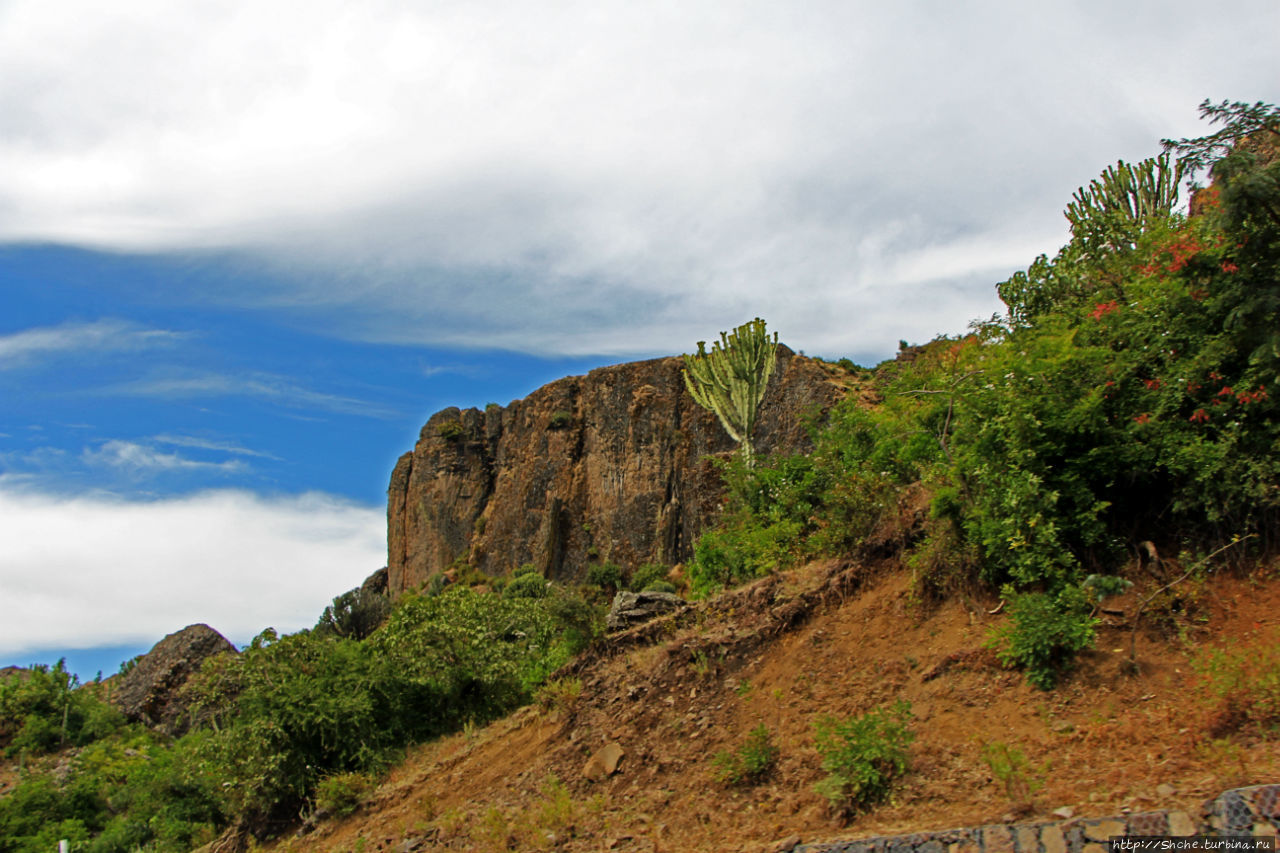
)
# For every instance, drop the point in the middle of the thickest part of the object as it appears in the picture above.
(1240, 811)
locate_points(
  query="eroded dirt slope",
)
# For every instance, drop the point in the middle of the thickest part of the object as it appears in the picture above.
(826, 639)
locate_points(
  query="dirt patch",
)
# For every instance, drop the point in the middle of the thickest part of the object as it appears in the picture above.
(827, 639)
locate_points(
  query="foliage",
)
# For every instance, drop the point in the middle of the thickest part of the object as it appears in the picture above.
(862, 755)
(42, 709)
(605, 576)
(1009, 765)
(1245, 686)
(1111, 213)
(342, 793)
(451, 430)
(559, 420)
(526, 586)
(1238, 119)
(648, 576)
(751, 763)
(355, 614)
(732, 378)
(1044, 633)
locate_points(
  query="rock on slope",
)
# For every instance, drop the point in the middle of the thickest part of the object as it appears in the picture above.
(149, 692)
(610, 466)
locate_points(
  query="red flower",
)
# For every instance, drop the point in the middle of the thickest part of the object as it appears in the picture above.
(1226, 391)
(1142, 418)
(1152, 384)
(1229, 267)
(1102, 309)
(1199, 416)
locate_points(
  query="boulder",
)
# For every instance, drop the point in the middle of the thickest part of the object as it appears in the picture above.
(632, 608)
(150, 692)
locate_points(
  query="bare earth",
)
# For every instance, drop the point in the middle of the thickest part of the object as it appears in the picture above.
(829, 638)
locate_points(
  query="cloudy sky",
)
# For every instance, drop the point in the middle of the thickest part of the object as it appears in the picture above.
(247, 247)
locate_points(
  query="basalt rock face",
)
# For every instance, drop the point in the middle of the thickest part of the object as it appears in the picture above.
(608, 466)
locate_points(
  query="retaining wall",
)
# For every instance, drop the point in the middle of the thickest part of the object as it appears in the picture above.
(1240, 811)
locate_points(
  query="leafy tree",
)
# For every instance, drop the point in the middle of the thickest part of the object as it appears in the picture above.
(732, 378)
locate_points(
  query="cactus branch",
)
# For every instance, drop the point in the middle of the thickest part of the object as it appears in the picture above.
(730, 380)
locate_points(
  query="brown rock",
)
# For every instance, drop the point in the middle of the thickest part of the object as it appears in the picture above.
(149, 693)
(609, 466)
(604, 762)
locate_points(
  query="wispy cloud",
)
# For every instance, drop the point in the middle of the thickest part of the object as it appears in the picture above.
(264, 386)
(210, 444)
(79, 339)
(140, 459)
(237, 561)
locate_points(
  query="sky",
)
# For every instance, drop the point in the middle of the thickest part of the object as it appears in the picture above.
(247, 248)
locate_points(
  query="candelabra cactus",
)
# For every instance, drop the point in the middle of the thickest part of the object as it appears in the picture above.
(730, 379)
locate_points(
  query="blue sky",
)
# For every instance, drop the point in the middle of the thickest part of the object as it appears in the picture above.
(246, 251)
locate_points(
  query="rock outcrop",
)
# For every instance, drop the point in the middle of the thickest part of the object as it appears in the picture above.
(150, 691)
(632, 608)
(608, 466)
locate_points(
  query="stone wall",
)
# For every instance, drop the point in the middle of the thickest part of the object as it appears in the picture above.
(1241, 811)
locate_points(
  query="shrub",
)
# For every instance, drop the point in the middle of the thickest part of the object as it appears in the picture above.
(643, 578)
(355, 614)
(604, 575)
(451, 430)
(862, 755)
(751, 763)
(1044, 633)
(559, 420)
(526, 586)
(342, 793)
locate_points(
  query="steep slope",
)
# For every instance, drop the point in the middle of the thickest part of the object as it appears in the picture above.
(610, 466)
(835, 639)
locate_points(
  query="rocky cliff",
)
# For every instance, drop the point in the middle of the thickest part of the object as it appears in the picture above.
(608, 466)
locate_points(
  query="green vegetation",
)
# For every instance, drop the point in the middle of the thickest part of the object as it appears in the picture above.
(1010, 767)
(731, 379)
(306, 720)
(1245, 688)
(1128, 394)
(862, 755)
(751, 763)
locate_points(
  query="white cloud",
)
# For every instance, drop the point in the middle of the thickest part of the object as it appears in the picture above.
(140, 459)
(20, 348)
(94, 571)
(607, 177)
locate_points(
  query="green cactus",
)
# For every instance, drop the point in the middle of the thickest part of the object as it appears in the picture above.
(731, 379)
(1113, 210)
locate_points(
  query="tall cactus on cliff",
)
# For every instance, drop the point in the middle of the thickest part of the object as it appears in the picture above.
(1116, 207)
(730, 380)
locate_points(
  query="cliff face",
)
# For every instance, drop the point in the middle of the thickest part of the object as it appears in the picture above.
(607, 466)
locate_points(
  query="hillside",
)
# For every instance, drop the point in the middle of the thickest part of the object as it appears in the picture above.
(838, 639)
(1026, 570)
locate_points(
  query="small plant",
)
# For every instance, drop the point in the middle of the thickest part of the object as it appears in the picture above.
(560, 696)
(1245, 686)
(529, 585)
(1045, 633)
(862, 755)
(491, 407)
(744, 688)
(1010, 767)
(750, 763)
(560, 420)
(342, 793)
(451, 430)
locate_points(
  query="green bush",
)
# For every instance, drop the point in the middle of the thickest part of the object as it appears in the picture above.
(526, 586)
(862, 755)
(45, 708)
(355, 614)
(451, 430)
(643, 578)
(1045, 633)
(751, 763)
(342, 793)
(1245, 687)
(559, 420)
(606, 576)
